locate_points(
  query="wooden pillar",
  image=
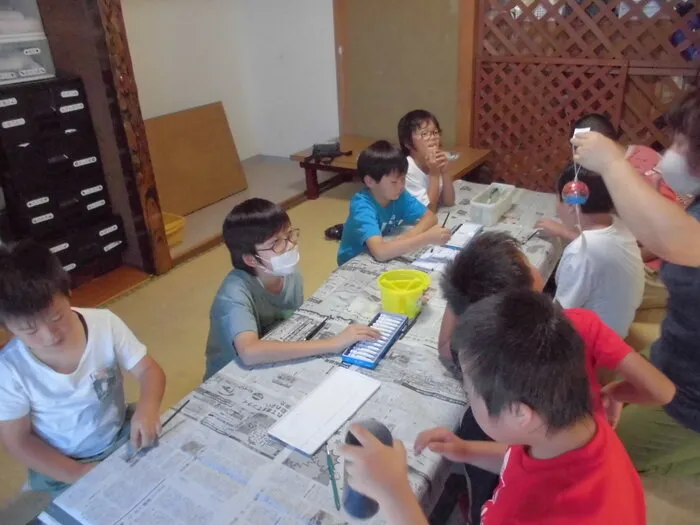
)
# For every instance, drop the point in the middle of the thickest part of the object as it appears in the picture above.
(468, 42)
(133, 129)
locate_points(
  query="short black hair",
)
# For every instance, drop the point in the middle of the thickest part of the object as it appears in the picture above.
(597, 122)
(30, 277)
(599, 199)
(249, 223)
(491, 263)
(413, 121)
(380, 159)
(519, 347)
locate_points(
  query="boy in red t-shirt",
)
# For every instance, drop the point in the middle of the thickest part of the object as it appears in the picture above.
(525, 376)
(492, 263)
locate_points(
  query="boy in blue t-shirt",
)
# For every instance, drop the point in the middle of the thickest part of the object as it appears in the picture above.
(385, 205)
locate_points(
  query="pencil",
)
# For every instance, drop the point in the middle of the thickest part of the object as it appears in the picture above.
(535, 232)
(445, 221)
(331, 473)
(316, 330)
(177, 411)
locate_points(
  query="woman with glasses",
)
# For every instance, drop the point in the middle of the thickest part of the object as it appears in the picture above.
(263, 288)
(427, 178)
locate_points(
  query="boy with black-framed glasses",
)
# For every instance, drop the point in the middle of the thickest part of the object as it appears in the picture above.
(263, 289)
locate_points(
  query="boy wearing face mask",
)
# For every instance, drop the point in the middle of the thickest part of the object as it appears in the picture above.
(263, 289)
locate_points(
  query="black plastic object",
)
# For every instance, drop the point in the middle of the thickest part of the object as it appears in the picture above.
(356, 504)
(334, 233)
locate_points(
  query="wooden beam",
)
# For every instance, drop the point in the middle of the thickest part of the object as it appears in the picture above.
(468, 10)
(134, 129)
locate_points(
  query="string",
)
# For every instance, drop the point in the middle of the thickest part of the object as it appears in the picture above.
(577, 169)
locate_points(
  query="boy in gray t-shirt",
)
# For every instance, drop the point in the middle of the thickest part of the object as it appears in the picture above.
(264, 288)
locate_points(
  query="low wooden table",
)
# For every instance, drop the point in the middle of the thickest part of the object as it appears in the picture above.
(469, 158)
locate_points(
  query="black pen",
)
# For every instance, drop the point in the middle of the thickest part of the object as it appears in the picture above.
(535, 232)
(316, 330)
(445, 221)
(177, 411)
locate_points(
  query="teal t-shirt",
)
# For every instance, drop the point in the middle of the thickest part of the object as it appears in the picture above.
(242, 304)
(368, 219)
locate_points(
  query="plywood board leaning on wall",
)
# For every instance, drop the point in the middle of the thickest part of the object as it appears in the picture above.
(194, 158)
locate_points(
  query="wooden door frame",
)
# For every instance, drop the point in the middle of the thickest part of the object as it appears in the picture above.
(466, 56)
(132, 132)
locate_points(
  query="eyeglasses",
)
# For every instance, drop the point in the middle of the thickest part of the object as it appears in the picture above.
(280, 245)
(435, 134)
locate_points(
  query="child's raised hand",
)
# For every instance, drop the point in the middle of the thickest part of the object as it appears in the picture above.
(443, 441)
(552, 228)
(145, 427)
(436, 161)
(374, 469)
(352, 334)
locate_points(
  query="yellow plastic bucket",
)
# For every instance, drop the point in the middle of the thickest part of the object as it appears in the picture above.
(402, 291)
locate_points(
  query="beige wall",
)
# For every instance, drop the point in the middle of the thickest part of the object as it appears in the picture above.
(399, 55)
(271, 63)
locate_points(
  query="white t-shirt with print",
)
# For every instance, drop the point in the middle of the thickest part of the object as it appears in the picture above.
(417, 182)
(79, 414)
(602, 270)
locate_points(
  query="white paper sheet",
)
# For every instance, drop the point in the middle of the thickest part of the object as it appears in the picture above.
(313, 421)
(465, 233)
(435, 258)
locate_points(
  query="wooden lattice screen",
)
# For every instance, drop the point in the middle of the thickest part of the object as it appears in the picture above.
(541, 64)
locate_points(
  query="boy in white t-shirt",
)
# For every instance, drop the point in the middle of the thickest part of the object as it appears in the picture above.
(62, 405)
(602, 268)
(427, 178)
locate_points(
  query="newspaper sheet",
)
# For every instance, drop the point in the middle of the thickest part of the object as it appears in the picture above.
(216, 463)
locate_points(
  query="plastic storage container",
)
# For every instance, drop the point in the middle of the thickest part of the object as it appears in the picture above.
(174, 228)
(19, 17)
(25, 59)
(402, 291)
(490, 205)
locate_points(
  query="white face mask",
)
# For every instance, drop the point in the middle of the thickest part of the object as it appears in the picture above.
(283, 264)
(676, 173)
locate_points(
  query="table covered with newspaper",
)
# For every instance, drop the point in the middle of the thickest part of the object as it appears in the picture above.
(215, 462)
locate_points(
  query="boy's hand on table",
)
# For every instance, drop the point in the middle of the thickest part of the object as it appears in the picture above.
(437, 235)
(443, 441)
(145, 427)
(352, 334)
(374, 469)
